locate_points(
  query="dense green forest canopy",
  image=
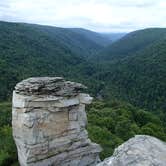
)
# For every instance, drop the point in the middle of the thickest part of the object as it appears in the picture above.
(139, 79)
(127, 74)
(130, 69)
(32, 50)
(133, 69)
(112, 123)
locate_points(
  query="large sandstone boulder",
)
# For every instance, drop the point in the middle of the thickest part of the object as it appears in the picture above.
(138, 151)
(49, 120)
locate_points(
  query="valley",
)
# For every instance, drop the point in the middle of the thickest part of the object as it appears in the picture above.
(126, 75)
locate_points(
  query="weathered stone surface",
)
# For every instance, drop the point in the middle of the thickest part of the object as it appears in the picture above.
(22, 101)
(138, 151)
(49, 121)
(85, 98)
(55, 86)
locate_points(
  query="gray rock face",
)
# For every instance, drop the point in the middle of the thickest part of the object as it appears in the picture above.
(49, 120)
(56, 86)
(138, 151)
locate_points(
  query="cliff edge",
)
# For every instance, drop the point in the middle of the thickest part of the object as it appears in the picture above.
(49, 120)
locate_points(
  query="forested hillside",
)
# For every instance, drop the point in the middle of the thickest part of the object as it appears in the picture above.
(131, 43)
(141, 79)
(135, 73)
(32, 50)
(98, 38)
(128, 75)
(137, 76)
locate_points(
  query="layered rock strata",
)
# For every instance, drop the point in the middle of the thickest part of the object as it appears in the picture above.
(49, 120)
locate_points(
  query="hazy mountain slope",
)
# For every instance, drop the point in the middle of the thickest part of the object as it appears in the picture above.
(132, 42)
(78, 42)
(113, 36)
(98, 38)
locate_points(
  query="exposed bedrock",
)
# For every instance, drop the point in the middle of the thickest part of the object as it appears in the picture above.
(49, 120)
(141, 150)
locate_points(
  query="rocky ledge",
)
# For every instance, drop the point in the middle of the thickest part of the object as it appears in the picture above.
(55, 86)
(138, 151)
(49, 120)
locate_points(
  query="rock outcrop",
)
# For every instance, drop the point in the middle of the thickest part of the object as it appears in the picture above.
(49, 120)
(138, 151)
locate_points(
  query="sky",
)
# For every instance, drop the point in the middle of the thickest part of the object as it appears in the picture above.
(96, 15)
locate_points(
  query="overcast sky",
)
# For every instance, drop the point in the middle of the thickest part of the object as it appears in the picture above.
(97, 15)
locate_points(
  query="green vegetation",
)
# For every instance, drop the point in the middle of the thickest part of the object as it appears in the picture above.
(131, 71)
(8, 154)
(31, 50)
(99, 39)
(110, 124)
(131, 43)
(139, 79)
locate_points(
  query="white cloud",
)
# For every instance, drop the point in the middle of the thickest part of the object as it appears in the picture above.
(98, 15)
